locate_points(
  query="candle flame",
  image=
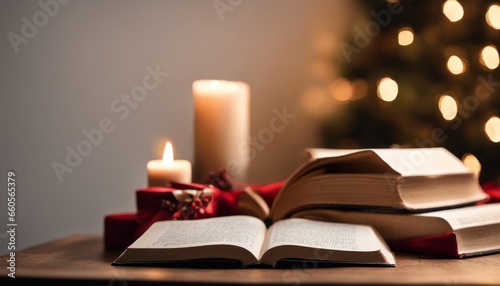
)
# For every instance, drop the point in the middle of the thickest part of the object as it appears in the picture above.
(168, 154)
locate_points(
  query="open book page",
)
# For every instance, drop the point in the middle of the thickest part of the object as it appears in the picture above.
(322, 235)
(469, 216)
(243, 231)
(407, 161)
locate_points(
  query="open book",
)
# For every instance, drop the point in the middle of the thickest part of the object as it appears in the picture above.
(246, 239)
(418, 179)
(460, 232)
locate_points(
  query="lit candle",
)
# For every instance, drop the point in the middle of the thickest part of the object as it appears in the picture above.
(222, 128)
(162, 172)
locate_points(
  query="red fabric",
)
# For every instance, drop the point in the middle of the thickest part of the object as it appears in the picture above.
(493, 190)
(268, 192)
(119, 230)
(149, 204)
(224, 203)
(439, 245)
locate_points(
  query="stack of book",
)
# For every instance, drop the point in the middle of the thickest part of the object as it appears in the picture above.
(343, 206)
(420, 200)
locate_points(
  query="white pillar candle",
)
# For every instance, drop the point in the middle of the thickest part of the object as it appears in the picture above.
(222, 128)
(162, 172)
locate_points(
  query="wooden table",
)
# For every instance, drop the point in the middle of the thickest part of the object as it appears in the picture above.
(81, 260)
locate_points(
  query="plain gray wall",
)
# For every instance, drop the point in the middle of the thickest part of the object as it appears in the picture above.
(66, 77)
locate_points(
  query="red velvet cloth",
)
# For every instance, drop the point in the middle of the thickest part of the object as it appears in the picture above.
(119, 230)
(268, 192)
(493, 190)
(150, 208)
(444, 245)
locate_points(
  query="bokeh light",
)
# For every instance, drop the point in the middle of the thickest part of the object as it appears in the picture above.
(453, 10)
(342, 89)
(405, 36)
(492, 129)
(387, 89)
(489, 57)
(493, 16)
(471, 162)
(456, 65)
(448, 107)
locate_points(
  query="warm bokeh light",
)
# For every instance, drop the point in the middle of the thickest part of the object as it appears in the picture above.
(453, 10)
(405, 36)
(455, 65)
(493, 16)
(471, 162)
(321, 68)
(360, 88)
(315, 101)
(448, 107)
(489, 57)
(342, 89)
(387, 89)
(492, 129)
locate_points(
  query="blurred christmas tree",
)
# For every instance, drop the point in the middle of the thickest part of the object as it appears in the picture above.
(421, 74)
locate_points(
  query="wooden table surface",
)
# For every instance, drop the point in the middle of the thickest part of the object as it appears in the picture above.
(81, 260)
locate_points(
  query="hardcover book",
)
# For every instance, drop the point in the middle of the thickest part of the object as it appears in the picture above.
(460, 232)
(400, 180)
